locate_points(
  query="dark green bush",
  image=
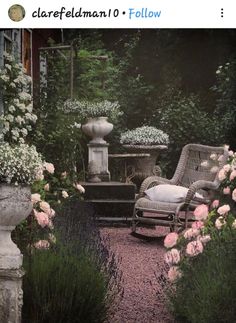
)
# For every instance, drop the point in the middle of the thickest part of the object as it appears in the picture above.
(183, 118)
(206, 293)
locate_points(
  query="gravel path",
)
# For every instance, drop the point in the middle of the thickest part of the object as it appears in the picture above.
(141, 264)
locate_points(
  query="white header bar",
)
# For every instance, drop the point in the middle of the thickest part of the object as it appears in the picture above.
(120, 14)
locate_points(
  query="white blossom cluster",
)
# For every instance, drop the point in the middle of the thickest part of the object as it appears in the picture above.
(18, 118)
(87, 109)
(144, 135)
(19, 164)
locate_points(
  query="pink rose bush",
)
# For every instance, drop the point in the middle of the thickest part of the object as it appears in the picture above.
(45, 196)
(211, 222)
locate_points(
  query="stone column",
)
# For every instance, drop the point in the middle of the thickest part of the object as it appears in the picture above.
(11, 295)
(15, 206)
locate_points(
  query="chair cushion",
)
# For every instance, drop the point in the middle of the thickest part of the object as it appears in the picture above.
(169, 193)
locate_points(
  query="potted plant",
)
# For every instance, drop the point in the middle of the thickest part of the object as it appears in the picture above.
(20, 167)
(145, 140)
(96, 114)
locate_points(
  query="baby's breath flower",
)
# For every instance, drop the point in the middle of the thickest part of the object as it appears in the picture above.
(19, 164)
(144, 135)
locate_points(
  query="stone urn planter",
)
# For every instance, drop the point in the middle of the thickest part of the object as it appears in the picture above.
(15, 206)
(97, 129)
(143, 167)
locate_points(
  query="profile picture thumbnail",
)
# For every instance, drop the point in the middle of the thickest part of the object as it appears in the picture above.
(16, 12)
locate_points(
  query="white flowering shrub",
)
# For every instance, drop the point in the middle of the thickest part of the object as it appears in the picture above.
(18, 118)
(87, 109)
(19, 164)
(144, 135)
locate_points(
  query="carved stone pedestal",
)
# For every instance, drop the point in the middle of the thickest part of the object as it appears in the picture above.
(15, 206)
(11, 295)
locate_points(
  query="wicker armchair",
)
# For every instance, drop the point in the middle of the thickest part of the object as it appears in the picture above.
(189, 173)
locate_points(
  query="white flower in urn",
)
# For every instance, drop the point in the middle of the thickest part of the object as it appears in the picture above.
(144, 135)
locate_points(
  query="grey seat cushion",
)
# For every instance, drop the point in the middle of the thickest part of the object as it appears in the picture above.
(145, 203)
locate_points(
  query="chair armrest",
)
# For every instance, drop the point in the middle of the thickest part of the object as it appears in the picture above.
(152, 181)
(201, 184)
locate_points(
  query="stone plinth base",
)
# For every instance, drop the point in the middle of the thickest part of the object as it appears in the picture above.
(11, 295)
(111, 199)
(98, 153)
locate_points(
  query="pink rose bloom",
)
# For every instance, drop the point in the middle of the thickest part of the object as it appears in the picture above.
(222, 175)
(50, 224)
(42, 218)
(234, 224)
(52, 238)
(191, 233)
(194, 248)
(35, 198)
(171, 240)
(80, 188)
(172, 257)
(231, 153)
(213, 156)
(215, 203)
(45, 207)
(226, 168)
(221, 158)
(39, 175)
(205, 238)
(64, 194)
(232, 175)
(201, 212)
(52, 213)
(197, 225)
(223, 209)
(226, 190)
(42, 244)
(205, 164)
(47, 187)
(214, 169)
(234, 194)
(49, 167)
(174, 273)
(64, 175)
(220, 222)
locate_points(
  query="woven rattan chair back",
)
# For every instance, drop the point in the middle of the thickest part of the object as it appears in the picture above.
(198, 162)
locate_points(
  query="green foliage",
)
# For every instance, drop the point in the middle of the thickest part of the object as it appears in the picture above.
(60, 287)
(93, 71)
(226, 99)
(129, 86)
(206, 293)
(184, 119)
(58, 134)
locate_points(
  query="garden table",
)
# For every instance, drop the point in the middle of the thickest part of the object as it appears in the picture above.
(127, 158)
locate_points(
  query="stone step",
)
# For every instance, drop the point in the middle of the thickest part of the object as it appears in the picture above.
(109, 190)
(113, 210)
(111, 199)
